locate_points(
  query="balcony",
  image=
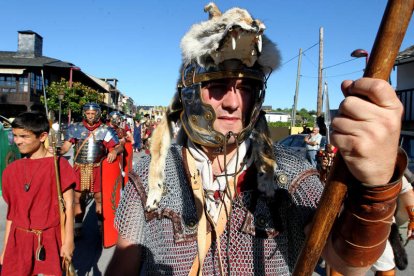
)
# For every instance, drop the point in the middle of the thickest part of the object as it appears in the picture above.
(14, 98)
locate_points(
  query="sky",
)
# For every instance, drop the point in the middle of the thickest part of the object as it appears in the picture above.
(137, 42)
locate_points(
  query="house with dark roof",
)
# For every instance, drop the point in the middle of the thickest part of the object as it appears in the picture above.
(404, 64)
(24, 74)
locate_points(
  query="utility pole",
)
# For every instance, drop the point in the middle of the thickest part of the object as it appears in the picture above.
(319, 99)
(297, 89)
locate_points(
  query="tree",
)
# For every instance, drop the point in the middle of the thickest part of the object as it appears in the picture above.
(74, 97)
(137, 117)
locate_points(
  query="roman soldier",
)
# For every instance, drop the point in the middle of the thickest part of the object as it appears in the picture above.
(93, 141)
(223, 199)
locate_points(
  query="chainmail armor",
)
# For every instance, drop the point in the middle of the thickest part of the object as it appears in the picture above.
(263, 242)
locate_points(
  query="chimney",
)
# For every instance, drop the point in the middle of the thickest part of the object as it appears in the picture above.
(30, 44)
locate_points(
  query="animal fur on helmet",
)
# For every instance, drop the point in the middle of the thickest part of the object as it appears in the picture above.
(230, 35)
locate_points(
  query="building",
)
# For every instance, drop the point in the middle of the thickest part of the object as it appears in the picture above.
(26, 73)
(405, 91)
(153, 112)
(272, 117)
(405, 85)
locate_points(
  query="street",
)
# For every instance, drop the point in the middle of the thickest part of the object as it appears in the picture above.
(90, 258)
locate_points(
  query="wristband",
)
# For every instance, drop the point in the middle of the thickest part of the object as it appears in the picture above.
(360, 233)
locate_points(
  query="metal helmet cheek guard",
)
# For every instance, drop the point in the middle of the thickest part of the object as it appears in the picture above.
(95, 107)
(198, 118)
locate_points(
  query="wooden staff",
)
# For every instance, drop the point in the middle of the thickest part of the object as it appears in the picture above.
(62, 213)
(67, 265)
(386, 46)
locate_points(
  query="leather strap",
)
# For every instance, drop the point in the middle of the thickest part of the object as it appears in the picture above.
(204, 239)
(360, 234)
(83, 143)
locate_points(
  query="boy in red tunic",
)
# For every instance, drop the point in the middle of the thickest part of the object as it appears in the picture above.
(32, 242)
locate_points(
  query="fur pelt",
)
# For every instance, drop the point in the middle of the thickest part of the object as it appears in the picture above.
(264, 157)
(161, 141)
(231, 35)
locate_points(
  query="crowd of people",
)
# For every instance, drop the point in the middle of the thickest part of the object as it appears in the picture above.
(214, 195)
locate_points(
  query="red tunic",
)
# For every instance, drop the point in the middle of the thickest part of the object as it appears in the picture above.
(35, 209)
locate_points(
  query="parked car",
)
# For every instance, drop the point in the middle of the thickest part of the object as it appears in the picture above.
(8, 150)
(296, 142)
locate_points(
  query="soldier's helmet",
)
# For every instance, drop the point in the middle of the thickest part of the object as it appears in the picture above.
(228, 45)
(95, 107)
(115, 118)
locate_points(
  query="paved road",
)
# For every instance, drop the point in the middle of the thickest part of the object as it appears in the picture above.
(91, 259)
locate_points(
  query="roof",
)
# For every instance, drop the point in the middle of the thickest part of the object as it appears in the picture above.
(30, 32)
(145, 107)
(13, 59)
(101, 83)
(405, 56)
(276, 113)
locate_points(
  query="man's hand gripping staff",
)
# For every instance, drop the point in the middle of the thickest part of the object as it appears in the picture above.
(366, 133)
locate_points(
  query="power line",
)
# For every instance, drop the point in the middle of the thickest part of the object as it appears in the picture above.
(333, 76)
(302, 53)
(338, 63)
(311, 62)
(340, 75)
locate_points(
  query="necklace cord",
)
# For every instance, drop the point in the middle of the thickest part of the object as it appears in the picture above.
(27, 184)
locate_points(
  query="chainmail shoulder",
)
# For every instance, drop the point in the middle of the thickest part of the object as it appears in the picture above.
(129, 218)
(304, 189)
(302, 178)
(176, 204)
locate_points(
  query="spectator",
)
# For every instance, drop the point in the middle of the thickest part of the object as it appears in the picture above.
(137, 136)
(313, 142)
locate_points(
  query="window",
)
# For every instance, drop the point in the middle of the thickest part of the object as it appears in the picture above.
(36, 85)
(23, 84)
(39, 83)
(8, 83)
(298, 141)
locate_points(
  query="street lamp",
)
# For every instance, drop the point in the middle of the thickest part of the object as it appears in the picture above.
(61, 95)
(360, 53)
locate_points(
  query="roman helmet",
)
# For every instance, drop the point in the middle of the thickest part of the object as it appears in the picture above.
(115, 118)
(228, 45)
(92, 106)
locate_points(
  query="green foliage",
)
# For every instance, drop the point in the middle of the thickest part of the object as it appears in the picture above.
(279, 124)
(125, 109)
(137, 117)
(303, 117)
(74, 97)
